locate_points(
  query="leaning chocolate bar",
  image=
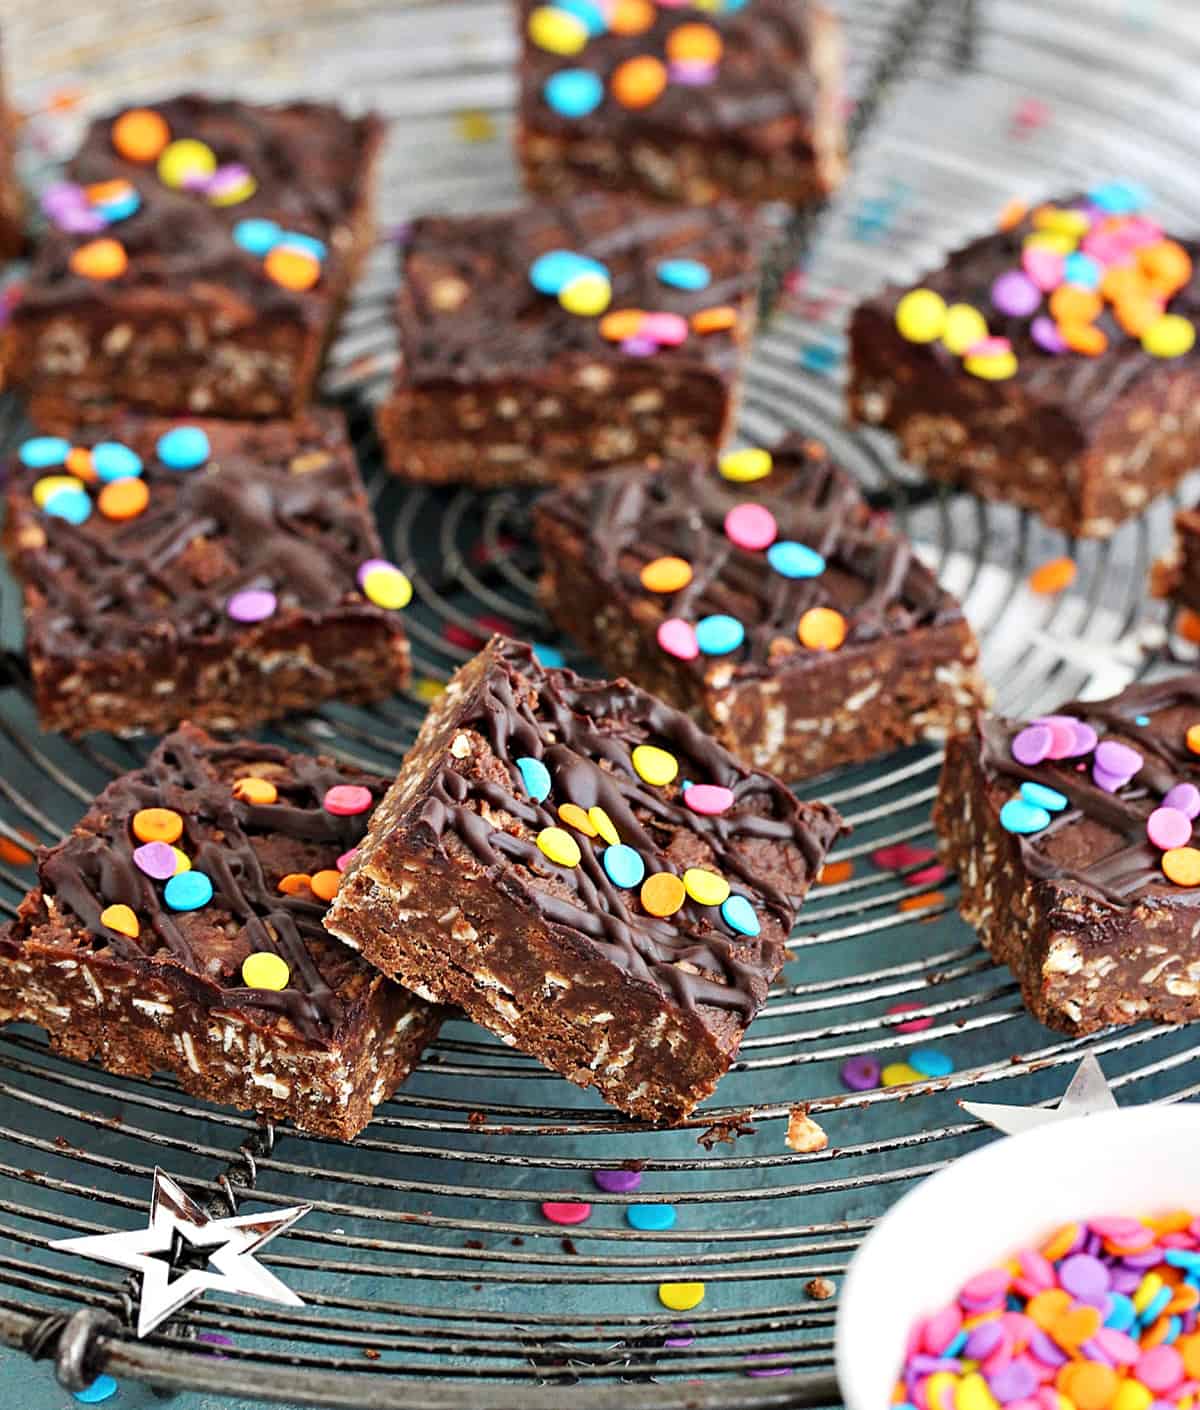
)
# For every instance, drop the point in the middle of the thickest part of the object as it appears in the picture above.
(178, 929)
(198, 256)
(1072, 838)
(585, 873)
(758, 594)
(1050, 364)
(219, 571)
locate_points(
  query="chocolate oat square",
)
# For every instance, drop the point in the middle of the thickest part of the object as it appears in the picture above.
(550, 341)
(1072, 838)
(761, 596)
(585, 873)
(219, 571)
(685, 102)
(178, 929)
(198, 254)
(1050, 364)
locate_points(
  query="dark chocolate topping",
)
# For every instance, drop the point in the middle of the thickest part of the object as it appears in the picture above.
(872, 576)
(224, 838)
(311, 163)
(1088, 386)
(585, 732)
(1124, 865)
(468, 311)
(764, 76)
(278, 506)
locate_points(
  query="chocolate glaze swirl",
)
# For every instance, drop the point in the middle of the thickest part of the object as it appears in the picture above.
(1122, 874)
(192, 773)
(278, 506)
(585, 733)
(872, 577)
(467, 310)
(311, 163)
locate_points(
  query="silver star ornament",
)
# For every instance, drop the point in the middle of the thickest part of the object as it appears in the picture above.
(1088, 1094)
(176, 1219)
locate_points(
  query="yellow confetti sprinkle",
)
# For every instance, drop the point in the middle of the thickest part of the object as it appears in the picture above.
(921, 316)
(706, 888)
(559, 846)
(965, 326)
(604, 826)
(263, 970)
(899, 1074)
(681, 1297)
(121, 919)
(655, 765)
(744, 466)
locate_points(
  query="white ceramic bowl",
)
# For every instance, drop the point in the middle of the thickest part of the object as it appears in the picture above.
(980, 1209)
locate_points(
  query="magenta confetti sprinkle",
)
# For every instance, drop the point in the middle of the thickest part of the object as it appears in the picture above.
(562, 1212)
(914, 1025)
(927, 876)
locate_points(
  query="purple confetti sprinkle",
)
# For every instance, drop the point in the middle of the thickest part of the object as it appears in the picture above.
(1045, 334)
(983, 1340)
(639, 347)
(860, 1074)
(1015, 294)
(1046, 1350)
(1032, 745)
(80, 222)
(684, 1336)
(767, 1364)
(156, 859)
(1085, 738)
(1085, 1278)
(370, 564)
(617, 1182)
(252, 605)
(1109, 782)
(691, 73)
(1015, 1381)
(1116, 758)
(1185, 797)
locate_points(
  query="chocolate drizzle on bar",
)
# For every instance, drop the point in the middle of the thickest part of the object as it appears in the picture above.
(306, 159)
(188, 772)
(467, 311)
(1133, 864)
(585, 732)
(273, 508)
(872, 577)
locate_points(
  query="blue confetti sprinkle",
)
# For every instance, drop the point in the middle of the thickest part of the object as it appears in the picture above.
(624, 866)
(257, 237)
(41, 452)
(719, 634)
(188, 891)
(1021, 817)
(1042, 797)
(739, 915)
(536, 777)
(1141, 719)
(183, 448)
(72, 505)
(548, 656)
(587, 11)
(308, 244)
(121, 208)
(573, 93)
(102, 1388)
(1121, 1312)
(795, 560)
(931, 1062)
(651, 1218)
(687, 274)
(112, 460)
(1119, 197)
(556, 268)
(819, 357)
(1082, 269)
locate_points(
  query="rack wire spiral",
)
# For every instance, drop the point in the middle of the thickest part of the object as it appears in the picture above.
(430, 1277)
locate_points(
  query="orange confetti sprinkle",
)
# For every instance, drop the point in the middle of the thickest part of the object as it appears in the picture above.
(10, 852)
(296, 883)
(1084, 338)
(1122, 281)
(631, 16)
(822, 629)
(1182, 864)
(140, 134)
(1071, 304)
(574, 816)
(325, 884)
(157, 824)
(832, 873)
(694, 44)
(1013, 214)
(100, 259)
(292, 269)
(638, 82)
(1166, 265)
(1045, 1308)
(1059, 1244)
(1187, 624)
(666, 575)
(621, 323)
(113, 190)
(1054, 576)
(662, 894)
(923, 902)
(254, 790)
(1090, 1384)
(1136, 312)
(718, 319)
(79, 463)
(123, 499)
(1193, 738)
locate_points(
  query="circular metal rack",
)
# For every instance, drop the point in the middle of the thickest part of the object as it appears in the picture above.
(429, 1275)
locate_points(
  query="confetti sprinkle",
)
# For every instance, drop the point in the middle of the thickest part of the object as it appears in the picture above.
(157, 825)
(738, 914)
(741, 466)
(183, 448)
(560, 847)
(624, 866)
(912, 1025)
(860, 1074)
(719, 634)
(834, 873)
(536, 778)
(188, 891)
(265, 970)
(252, 605)
(662, 894)
(603, 824)
(101, 1389)
(822, 629)
(666, 575)
(254, 790)
(617, 1182)
(564, 1212)
(651, 1218)
(678, 638)
(347, 800)
(709, 799)
(121, 919)
(140, 134)
(681, 1297)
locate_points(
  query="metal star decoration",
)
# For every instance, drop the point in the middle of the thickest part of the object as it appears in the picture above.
(177, 1226)
(1088, 1094)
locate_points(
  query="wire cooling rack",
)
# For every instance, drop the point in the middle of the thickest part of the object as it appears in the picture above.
(429, 1275)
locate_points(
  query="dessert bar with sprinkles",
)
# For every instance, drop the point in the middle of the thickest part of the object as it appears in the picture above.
(549, 341)
(219, 571)
(1072, 835)
(1051, 364)
(759, 594)
(684, 102)
(197, 255)
(586, 874)
(178, 929)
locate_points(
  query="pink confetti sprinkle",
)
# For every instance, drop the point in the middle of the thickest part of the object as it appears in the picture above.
(900, 855)
(346, 800)
(927, 876)
(678, 638)
(666, 329)
(1062, 735)
(639, 346)
(914, 1025)
(709, 799)
(1044, 267)
(751, 526)
(1168, 827)
(346, 858)
(252, 605)
(990, 347)
(458, 635)
(560, 1212)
